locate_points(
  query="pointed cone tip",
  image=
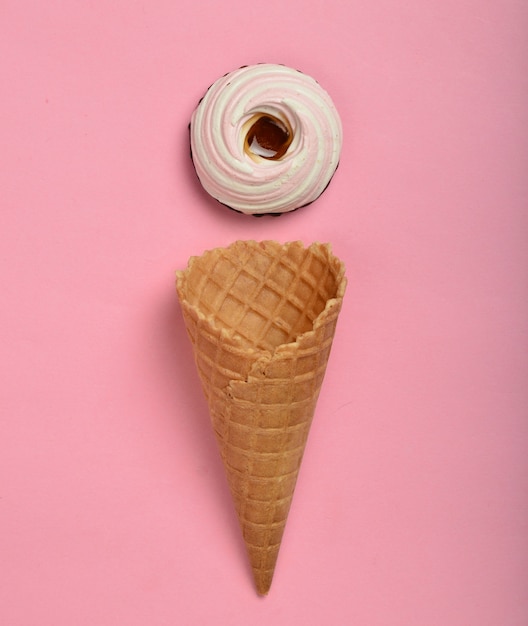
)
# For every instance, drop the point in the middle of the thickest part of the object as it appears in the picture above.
(262, 583)
(263, 590)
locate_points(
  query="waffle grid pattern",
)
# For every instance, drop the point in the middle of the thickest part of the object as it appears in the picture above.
(266, 295)
(261, 385)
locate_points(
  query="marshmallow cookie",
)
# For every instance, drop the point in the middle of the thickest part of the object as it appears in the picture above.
(265, 139)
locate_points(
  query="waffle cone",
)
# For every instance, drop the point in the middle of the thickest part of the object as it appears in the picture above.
(261, 317)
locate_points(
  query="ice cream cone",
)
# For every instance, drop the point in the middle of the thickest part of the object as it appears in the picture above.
(261, 317)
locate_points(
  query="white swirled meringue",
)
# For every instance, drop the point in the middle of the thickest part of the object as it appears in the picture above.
(265, 139)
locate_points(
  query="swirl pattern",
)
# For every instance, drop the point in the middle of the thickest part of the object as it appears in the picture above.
(265, 139)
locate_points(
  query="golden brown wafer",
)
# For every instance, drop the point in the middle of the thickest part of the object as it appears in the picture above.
(261, 317)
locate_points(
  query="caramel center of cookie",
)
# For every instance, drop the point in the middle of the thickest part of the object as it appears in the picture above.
(267, 137)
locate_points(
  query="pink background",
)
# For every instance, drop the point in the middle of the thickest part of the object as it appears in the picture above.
(412, 503)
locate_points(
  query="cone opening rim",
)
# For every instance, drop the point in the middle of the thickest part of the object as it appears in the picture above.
(229, 334)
